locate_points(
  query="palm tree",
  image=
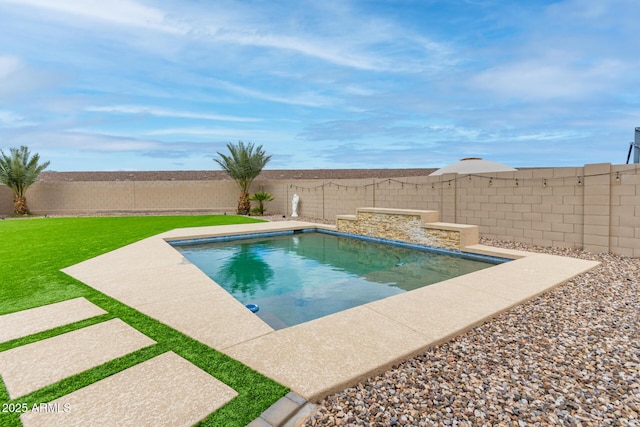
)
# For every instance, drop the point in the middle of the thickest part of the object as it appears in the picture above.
(18, 171)
(261, 197)
(243, 165)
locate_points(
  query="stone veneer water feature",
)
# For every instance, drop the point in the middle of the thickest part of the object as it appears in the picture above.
(406, 225)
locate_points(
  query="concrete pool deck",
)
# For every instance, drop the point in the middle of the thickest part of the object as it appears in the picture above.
(327, 354)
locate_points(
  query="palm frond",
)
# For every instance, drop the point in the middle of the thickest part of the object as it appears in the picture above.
(19, 169)
(243, 164)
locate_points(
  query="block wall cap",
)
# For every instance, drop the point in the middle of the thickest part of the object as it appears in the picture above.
(396, 211)
(448, 226)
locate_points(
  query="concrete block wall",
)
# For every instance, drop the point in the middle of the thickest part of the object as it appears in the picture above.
(326, 199)
(595, 207)
(625, 210)
(279, 205)
(129, 196)
(6, 200)
(350, 195)
(316, 198)
(80, 197)
(541, 206)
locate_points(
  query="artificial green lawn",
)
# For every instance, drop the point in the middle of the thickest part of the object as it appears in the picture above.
(32, 252)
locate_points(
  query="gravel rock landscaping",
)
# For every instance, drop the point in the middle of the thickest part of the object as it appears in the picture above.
(568, 357)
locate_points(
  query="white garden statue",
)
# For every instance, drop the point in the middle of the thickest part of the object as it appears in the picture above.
(294, 206)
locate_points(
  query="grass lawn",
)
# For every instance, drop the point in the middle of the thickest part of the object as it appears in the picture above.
(32, 252)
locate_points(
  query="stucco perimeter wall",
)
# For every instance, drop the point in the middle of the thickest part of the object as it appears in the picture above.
(595, 207)
(129, 196)
(6, 200)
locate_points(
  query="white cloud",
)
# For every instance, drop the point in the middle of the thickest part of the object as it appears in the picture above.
(193, 131)
(17, 78)
(156, 76)
(119, 12)
(372, 44)
(80, 141)
(548, 78)
(339, 33)
(221, 134)
(359, 90)
(161, 112)
(307, 99)
(547, 136)
(618, 14)
(10, 119)
(575, 50)
(332, 51)
(96, 142)
(9, 65)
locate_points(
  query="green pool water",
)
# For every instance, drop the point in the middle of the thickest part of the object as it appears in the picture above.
(300, 277)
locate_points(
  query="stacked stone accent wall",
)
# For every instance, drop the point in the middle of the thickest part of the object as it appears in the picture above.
(445, 238)
(410, 226)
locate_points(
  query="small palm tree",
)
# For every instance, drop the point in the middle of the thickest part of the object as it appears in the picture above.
(18, 171)
(261, 197)
(243, 164)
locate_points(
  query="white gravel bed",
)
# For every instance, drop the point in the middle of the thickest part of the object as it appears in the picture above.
(569, 357)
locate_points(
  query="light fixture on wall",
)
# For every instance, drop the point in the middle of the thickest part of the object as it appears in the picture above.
(490, 182)
(544, 183)
(618, 177)
(579, 180)
(516, 184)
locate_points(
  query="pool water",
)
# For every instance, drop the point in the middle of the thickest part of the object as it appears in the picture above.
(299, 277)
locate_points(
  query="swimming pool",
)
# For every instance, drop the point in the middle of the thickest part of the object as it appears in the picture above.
(301, 276)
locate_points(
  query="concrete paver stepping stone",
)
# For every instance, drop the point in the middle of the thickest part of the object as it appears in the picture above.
(33, 366)
(39, 319)
(164, 391)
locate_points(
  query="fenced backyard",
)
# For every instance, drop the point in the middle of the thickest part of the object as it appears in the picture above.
(591, 207)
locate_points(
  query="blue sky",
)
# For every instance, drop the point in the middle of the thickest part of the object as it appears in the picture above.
(164, 85)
